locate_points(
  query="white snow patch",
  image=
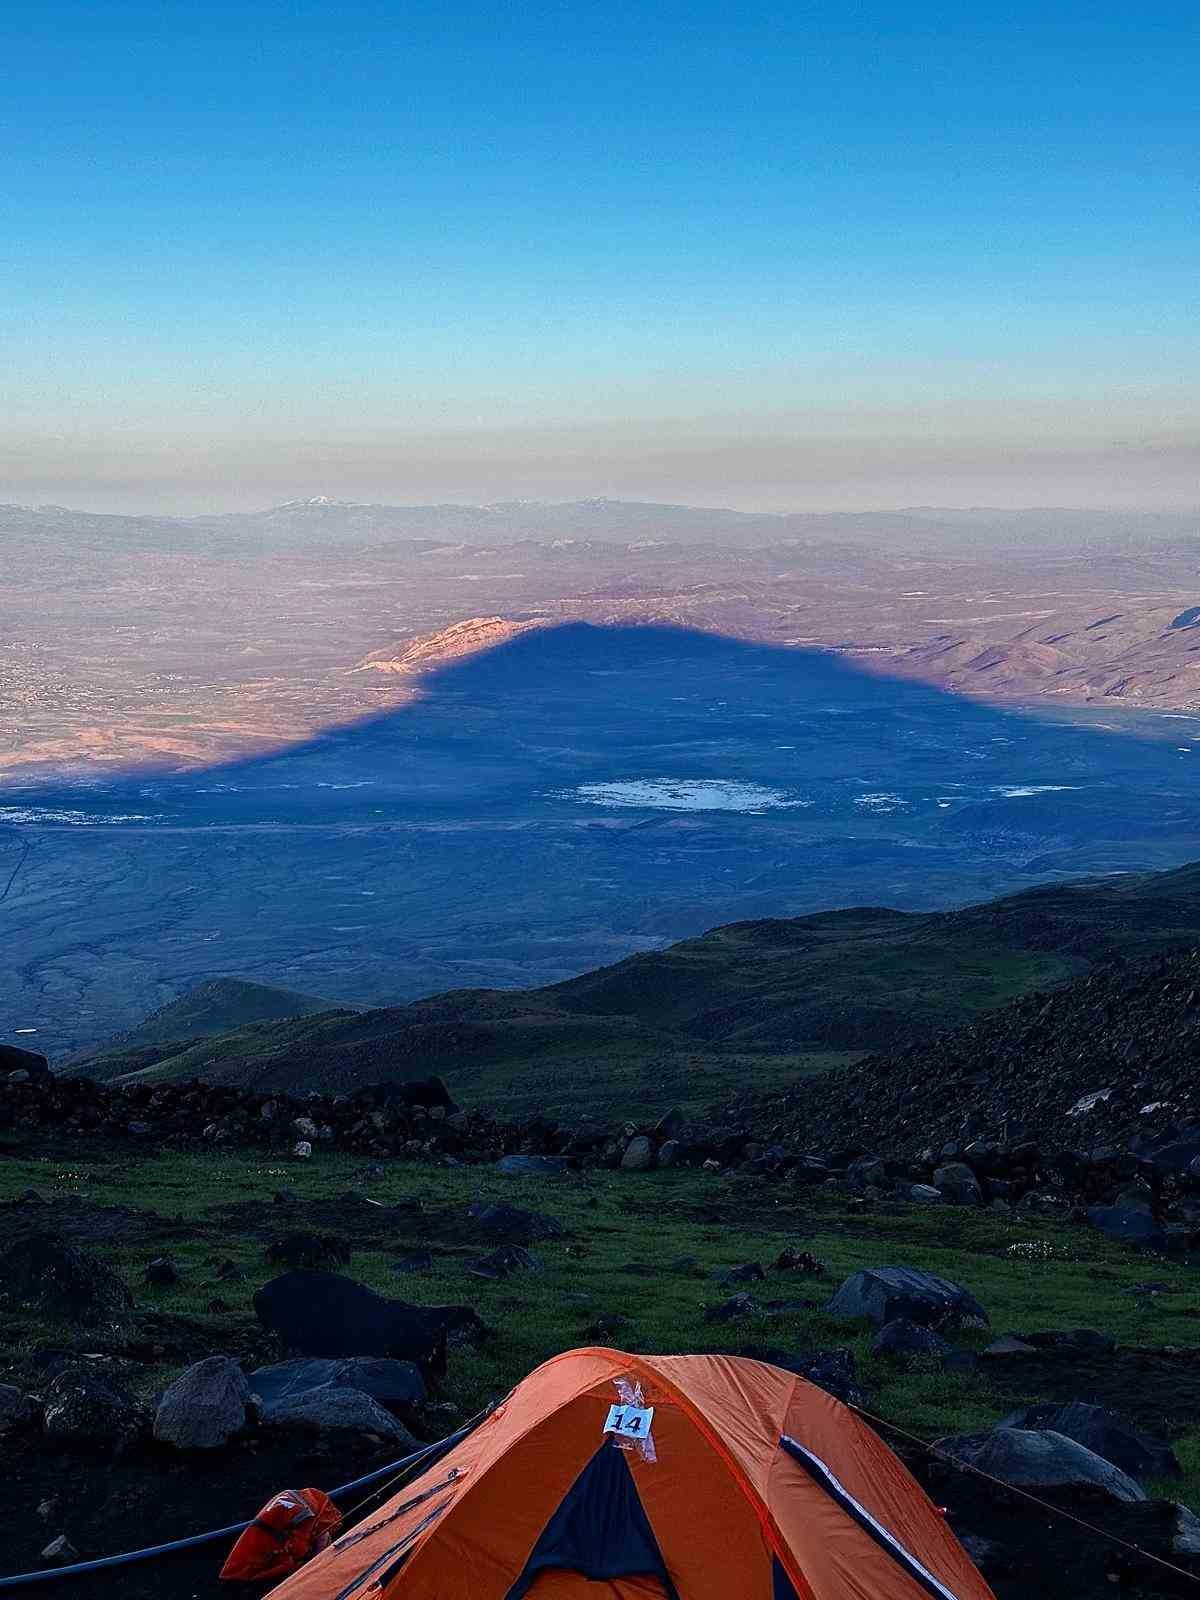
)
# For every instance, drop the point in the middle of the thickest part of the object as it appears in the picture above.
(879, 800)
(684, 794)
(1020, 791)
(71, 818)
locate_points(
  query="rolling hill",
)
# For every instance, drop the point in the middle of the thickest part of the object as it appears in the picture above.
(218, 1006)
(750, 1006)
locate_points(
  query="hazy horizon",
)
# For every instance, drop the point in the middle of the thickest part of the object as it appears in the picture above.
(181, 508)
(767, 259)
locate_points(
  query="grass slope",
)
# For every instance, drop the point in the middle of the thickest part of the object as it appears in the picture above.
(745, 1007)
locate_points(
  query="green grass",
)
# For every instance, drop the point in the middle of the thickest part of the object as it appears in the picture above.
(1029, 1274)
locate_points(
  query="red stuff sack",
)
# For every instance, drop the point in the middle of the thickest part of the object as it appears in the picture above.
(286, 1533)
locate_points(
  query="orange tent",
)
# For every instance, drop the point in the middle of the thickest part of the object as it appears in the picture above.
(725, 1479)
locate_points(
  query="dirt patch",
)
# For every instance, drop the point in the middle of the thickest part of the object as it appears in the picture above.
(82, 1221)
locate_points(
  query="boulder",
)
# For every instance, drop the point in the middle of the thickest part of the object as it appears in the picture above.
(1177, 1156)
(205, 1406)
(512, 1225)
(83, 1409)
(958, 1184)
(430, 1093)
(1185, 1534)
(389, 1383)
(44, 1273)
(734, 1309)
(881, 1294)
(793, 1259)
(1103, 1431)
(160, 1273)
(924, 1194)
(638, 1155)
(14, 1059)
(335, 1410)
(17, 1410)
(1133, 1225)
(810, 1169)
(325, 1314)
(910, 1344)
(504, 1259)
(748, 1272)
(531, 1166)
(1039, 1460)
(867, 1172)
(835, 1371)
(312, 1250)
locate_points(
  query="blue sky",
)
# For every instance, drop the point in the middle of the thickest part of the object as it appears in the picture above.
(826, 254)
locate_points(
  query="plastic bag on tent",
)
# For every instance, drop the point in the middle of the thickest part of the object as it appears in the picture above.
(630, 1421)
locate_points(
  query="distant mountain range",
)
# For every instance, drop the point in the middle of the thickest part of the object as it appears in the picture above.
(319, 521)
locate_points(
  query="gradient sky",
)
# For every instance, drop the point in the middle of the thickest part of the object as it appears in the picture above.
(809, 255)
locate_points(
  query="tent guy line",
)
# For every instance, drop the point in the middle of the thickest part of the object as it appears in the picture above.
(392, 1472)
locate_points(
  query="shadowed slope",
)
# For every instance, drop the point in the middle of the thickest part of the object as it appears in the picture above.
(745, 1006)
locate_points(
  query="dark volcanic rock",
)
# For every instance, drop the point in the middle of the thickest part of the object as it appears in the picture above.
(734, 1309)
(325, 1314)
(1134, 1227)
(1105, 1433)
(910, 1344)
(346, 1411)
(958, 1184)
(391, 1383)
(14, 1059)
(83, 1409)
(17, 1409)
(835, 1371)
(313, 1251)
(1040, 1461)
(882, 1294)
(500, 1262)
(794, 1259)
(46, 1274)
(748, 1272)
(512, 1225)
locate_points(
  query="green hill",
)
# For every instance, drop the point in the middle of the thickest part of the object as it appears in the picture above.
(745, 1007)
(216, 1007)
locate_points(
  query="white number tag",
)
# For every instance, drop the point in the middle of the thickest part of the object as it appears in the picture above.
(630, 1422)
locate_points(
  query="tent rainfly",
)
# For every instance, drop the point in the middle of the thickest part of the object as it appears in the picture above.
(606, 1476)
